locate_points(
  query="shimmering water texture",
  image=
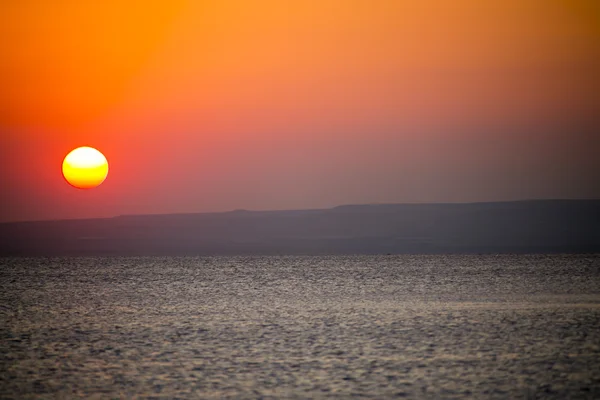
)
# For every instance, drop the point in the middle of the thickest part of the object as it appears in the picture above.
(301, 327)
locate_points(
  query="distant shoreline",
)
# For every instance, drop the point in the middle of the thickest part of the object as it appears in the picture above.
(527, 226)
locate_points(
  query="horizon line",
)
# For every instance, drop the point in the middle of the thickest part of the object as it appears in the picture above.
(242, 210)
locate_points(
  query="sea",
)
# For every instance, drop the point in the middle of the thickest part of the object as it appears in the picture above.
(301, 327)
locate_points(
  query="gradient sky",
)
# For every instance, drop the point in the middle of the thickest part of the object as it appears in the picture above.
(213, 105)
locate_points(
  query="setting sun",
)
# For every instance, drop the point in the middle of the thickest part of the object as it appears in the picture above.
(85, 168)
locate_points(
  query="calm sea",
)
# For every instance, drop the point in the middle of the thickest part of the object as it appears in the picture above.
(301, 327)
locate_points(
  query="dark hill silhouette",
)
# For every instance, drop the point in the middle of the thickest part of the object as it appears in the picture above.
(547, 226)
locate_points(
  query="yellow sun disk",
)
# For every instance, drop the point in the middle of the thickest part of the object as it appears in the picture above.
(85, 168)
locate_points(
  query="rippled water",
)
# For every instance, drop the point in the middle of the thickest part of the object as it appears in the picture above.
(301, 327)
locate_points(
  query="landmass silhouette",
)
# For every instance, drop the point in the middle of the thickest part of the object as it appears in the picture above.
(536, 226)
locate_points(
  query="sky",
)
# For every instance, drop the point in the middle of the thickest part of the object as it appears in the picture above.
(215, 105)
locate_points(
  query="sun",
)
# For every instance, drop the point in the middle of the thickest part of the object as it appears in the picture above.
(85, 168)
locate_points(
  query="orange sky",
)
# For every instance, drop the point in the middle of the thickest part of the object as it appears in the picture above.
(212, 105)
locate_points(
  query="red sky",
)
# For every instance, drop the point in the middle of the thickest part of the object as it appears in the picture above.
(213, 105)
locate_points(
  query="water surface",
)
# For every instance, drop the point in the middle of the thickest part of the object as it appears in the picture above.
(301, 327)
